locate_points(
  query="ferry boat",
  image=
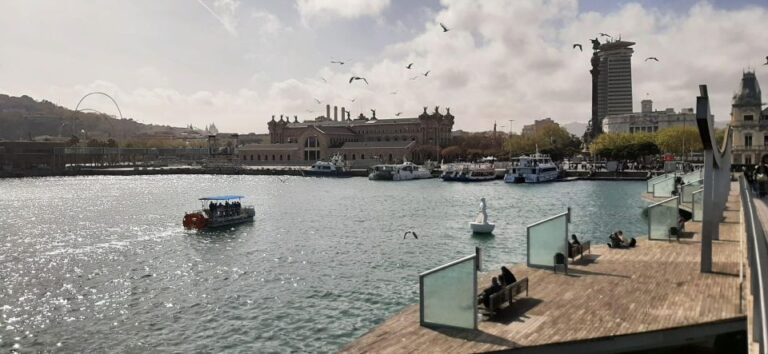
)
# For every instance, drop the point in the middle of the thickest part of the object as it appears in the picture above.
(402, 172)
(532, 169)
(336, 167)
(469, 173)
(219, 211)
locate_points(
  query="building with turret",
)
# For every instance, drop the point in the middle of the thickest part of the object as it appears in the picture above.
(362, 141)
(749, 122)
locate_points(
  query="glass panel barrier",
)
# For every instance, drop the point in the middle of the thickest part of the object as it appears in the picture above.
(448, 295)
(664, 187)
(692, 176)
(653, 181)
(688, 189)
(661, 217)
(547, 238)
(698, 204)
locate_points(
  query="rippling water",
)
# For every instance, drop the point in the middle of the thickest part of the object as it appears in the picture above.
(102, 264)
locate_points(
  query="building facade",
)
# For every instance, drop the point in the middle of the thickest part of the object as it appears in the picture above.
(530, 129)
(362, 140)
(611, 83)
(648, 120)
(749, 122)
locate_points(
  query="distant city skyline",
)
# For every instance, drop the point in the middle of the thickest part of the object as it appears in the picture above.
(237, 63)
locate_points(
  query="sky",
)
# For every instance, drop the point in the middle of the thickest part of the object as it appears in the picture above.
(236, 63)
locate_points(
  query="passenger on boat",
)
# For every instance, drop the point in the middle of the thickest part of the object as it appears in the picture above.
(485, 297)
(506, 276)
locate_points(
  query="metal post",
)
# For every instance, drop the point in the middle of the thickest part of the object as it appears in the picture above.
(709, 217)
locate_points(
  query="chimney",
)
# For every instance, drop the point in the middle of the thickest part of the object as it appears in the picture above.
(343, 113)
(328, 111)
(335, 113)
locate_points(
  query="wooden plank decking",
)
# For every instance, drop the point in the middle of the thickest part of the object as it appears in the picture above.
(613, 292)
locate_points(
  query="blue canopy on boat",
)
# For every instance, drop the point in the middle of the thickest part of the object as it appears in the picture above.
(223, 197)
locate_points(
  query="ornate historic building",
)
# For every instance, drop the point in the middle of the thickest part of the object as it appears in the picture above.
(362, 140)
(648, 120)
(749, 122)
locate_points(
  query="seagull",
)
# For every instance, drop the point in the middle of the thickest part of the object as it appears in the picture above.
(410, 232)
(651, 58)
(353, 100)
(578, 45)
(409, 66)
(766, 60)
(337, 62)
(324, 80)
(398, 114)
(393, 93)
(353, 78)
(426, 73)
(318, 101)
(445, 29)
(414, 78)
(605, 35)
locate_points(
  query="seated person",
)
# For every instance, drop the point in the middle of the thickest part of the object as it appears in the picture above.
(575, 241)
(507, 278)
(618, 240)
(485, 297)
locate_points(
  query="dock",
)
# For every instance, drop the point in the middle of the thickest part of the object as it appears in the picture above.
(613, 300)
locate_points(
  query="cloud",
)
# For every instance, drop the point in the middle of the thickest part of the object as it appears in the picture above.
(225, 11)
(349, 9)
(267, 23)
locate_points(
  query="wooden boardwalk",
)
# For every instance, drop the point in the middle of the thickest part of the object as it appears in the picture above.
(614, 292)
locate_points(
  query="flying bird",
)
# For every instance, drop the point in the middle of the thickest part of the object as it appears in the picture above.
(284, 180)
(766, 60)
(410, 232)
(337, 62)
(579, 46)
(318, 101)
(393, 93)
(353, 100)
(426, 73)
(605, 35)
(324, 80)
(409, 66)
(398, 114)
(651, 58)
(445, 29)
(354, 78)
(414, 78)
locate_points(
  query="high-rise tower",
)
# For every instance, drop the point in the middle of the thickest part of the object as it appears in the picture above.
(614, 86)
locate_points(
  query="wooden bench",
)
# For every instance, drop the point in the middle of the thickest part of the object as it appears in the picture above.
(506, 295)
(578, 250)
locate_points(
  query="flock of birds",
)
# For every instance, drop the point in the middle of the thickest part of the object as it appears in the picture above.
(355, 78)
(581, 49)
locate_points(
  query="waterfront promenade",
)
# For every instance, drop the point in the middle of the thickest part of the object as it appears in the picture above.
(613, 300)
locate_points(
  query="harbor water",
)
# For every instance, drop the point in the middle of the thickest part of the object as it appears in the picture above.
(102, 264)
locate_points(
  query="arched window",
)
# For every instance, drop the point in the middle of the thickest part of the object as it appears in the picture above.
(273, 157)
(288, 157)
(353, 156)
(251, 157)
(258, 157)
(281, 157)
(362, 156)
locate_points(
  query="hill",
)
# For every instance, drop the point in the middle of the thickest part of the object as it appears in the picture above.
(24, 118)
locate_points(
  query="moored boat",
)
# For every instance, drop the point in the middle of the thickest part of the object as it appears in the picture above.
(402, 172)
(219, 211)
(536, 168)
(336, 167)
(469, 173)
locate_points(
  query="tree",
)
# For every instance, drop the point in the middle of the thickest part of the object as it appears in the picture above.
(74, 140)
(624, 145)
(673, 140)
(550, 139)
(451, 153)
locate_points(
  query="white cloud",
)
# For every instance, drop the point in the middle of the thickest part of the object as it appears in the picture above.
(328, 9)
(267, 24)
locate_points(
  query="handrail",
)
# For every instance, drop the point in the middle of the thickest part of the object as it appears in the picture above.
(661, 202)
(758, 253)
(447, 265)
(548, 219)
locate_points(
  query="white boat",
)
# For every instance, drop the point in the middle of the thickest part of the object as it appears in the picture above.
(402, 172)
(481, 224)
(336, 167)
(532, 169)
(469, 173)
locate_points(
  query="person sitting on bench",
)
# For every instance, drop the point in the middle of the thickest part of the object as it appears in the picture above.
(618, 240)
(575, 241)
(486, 295)
(507, 278)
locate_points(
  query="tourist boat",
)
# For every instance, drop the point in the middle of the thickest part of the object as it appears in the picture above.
(336, 167)
(402, 172)
(469, 173)
(532, 169)
(219, 211)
